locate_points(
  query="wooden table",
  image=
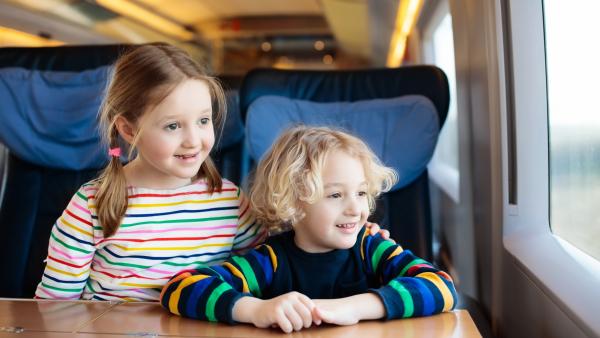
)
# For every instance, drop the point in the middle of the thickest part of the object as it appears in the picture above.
(49, 318)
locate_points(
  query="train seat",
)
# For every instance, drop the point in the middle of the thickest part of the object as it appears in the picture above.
(399, 112)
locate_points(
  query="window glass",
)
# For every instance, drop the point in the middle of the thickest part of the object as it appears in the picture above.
(439, 50)
(571, 27)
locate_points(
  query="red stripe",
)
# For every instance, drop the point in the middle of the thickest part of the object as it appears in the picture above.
(78, 218)
(127, 276)
(164, 239)
(411, 270)
(67, 263)
(177, 194)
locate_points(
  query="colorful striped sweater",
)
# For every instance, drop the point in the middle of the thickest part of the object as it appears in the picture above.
(407, 285)
(163, 232)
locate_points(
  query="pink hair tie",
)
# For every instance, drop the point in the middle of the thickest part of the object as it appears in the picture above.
(116, 152)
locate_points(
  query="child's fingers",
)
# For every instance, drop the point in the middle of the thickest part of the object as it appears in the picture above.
(283, 322)
(325, 316)
(294, 318)
(304, 312)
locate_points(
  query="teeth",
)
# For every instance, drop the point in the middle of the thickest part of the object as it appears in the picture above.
(345, 225)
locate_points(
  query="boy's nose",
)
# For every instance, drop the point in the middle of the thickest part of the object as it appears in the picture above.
(353, 207)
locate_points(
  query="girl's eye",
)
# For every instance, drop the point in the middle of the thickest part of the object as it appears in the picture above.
(362, 193)
(335, 195)
(172, 126)
(204, 120)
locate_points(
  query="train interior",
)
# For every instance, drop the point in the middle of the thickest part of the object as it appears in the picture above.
(471, 179)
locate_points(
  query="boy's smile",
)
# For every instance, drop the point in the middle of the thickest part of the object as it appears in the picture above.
(333, 222)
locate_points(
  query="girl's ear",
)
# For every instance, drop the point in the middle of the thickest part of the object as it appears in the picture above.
(125, 129)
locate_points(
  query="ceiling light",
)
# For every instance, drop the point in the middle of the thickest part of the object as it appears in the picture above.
(147, 17)
(12, 37)
(408, 11)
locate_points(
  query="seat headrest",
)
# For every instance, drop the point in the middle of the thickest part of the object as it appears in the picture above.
(49, 118)
(401, 131)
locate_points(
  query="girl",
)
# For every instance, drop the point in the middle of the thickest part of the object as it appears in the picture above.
(126, 233)
(328, 268)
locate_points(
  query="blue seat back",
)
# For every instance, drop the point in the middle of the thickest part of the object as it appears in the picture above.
(398, 112)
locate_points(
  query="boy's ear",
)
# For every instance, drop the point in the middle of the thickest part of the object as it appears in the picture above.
(126, 130)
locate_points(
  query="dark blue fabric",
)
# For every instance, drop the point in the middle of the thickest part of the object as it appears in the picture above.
(49, 118)
(401, 131)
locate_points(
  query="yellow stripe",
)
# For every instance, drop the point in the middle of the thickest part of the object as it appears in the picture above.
(171, 248)
(147, 286)
(64, 221)
(273, 257)
(65, 272)
(362, 247)
(395, 253)
(174, 300)
(439, 283)
(238, 274)
(154, 205)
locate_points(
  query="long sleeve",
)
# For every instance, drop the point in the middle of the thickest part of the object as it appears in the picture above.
(411, 286)
(209, 293)
(249, 233)
(70, 252)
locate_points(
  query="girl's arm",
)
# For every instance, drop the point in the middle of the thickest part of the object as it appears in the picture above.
(70, 251)
(249, 233)
(411, 286)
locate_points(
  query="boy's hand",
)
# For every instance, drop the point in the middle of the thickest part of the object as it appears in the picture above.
(339, 311)
(291, 311)
(374, 229)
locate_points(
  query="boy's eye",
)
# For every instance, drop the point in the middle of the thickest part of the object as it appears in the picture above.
(204, 120)
(172, 126)
(335, 195)
(362, 193)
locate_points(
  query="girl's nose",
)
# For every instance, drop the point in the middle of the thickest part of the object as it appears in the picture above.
(192, 137)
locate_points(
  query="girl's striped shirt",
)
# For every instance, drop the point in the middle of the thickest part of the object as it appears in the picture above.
(162, 233)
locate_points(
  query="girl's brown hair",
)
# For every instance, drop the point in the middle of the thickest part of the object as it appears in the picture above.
(290, 173)
(142, 78)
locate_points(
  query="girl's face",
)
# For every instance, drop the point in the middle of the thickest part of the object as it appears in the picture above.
(333, 222)
(176, 138)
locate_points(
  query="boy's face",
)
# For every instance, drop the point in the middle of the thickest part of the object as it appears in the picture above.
(333, 222)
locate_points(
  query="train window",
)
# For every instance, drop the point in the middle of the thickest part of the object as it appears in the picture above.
(574, 125)
(438, 49)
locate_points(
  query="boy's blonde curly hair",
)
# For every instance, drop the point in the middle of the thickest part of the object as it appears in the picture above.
(290, 173)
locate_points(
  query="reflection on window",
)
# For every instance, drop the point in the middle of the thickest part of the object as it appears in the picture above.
(439, 51)
(574, 121)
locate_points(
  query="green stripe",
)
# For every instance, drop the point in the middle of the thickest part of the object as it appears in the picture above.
(60, 289)
(383, 245)
(249, 275)
(256, 228)
(69, 246)
(174, 221)
(199, 264)
(212, 301)
(238, 192)
(409, 307)
(82, 196)
(411, 264)
(122, 264)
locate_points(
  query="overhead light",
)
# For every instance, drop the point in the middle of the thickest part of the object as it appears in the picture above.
(147, 17)
(12, 37)
(408, 11)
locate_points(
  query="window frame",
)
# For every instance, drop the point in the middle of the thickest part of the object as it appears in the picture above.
(569, 277)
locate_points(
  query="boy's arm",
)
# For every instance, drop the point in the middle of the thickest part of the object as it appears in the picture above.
(70, 252)
(411, 286)
(209, 293)
(249, 233)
